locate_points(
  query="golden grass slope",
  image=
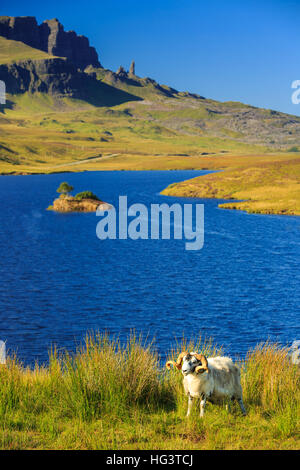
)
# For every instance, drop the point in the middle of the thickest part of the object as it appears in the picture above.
(39, 132)
(266, 187)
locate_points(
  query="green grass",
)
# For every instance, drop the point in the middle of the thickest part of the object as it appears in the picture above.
(109, 396)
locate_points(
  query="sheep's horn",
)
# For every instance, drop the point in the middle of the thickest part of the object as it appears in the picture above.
(204, 363)
(178, 363)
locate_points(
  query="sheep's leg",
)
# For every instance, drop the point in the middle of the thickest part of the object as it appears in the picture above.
(202, 406)
(240, 400)
(190, 405)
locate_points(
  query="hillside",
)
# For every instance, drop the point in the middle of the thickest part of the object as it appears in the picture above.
(193, 114)
(66, 114)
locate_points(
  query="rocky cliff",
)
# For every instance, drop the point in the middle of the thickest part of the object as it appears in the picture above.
(50, 37)
(59, 77)
(70, 66)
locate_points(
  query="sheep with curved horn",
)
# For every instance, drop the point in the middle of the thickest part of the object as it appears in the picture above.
(213, 379)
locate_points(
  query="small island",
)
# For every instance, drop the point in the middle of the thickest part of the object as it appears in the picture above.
(86, 201)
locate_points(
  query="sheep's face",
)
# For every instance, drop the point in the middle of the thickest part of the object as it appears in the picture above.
(189, 364)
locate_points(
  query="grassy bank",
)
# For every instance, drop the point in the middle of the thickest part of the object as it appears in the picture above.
(108, 396)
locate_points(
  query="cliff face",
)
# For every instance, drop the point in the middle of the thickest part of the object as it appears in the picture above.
(50, 37)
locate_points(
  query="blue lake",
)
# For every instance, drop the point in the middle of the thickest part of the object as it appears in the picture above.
(58, 280)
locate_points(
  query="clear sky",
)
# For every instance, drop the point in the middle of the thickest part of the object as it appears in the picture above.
(246, 50)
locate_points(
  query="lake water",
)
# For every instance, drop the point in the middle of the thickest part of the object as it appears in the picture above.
(58, 280)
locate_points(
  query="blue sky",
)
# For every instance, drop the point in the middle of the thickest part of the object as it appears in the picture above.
(245, 50)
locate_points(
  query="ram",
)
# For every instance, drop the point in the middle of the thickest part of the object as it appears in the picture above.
(214, 379)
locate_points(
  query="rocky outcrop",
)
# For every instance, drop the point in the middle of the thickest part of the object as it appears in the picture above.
(50, 37)
(70, 204)
(122, 73)
(132, 69)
